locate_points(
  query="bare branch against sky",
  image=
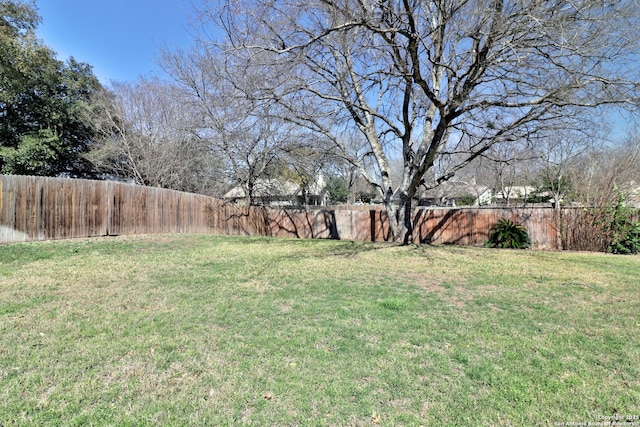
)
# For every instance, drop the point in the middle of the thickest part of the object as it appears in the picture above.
(419, 78)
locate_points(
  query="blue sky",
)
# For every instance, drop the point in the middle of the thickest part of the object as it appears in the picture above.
(120, 38)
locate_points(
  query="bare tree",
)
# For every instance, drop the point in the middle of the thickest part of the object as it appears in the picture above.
(247, 133)
(422, 79)
(555, 156)
(601, 173)
(602, 178)
(507, 167)
(146, 139)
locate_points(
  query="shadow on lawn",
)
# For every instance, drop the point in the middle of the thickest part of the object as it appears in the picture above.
(318, 247)
(351, 248)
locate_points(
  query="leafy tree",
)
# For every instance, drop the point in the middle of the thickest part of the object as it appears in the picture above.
(554, 183)
(623, 231)
(538, 196)
(338, 189)
(43, 130)
(467, 200)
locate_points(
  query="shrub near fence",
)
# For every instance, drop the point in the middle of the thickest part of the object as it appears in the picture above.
(40, 208)
(460, 226)
(471, 226)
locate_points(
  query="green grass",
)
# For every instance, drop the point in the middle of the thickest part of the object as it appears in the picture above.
(201, 330)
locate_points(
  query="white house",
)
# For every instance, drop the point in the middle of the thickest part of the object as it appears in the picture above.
(457, 193)
(516, 192)
(280, 192)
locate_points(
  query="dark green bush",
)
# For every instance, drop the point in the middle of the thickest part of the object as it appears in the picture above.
(538, 198)
(623, 231)
(467, 200)
(509, 235)
(628, 241)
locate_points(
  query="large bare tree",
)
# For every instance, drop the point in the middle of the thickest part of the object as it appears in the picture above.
(230, 117)
(421, 79)
(145, 137)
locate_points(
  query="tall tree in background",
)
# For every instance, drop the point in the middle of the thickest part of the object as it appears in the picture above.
(599, 175)
(249, 135)
(422, 79)
(508, 168)
(555, 157)
(146, 137)
(43, 130)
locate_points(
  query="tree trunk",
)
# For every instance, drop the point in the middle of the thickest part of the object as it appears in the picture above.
(400, 213)
(557, 215)
(248, 194)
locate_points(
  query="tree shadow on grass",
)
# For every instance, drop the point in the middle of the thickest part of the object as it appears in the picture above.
(318, 248)
(353, 248)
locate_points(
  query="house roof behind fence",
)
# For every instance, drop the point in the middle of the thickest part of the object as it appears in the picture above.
(277, 187)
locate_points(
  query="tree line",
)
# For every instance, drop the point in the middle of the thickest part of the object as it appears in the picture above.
(387, 99)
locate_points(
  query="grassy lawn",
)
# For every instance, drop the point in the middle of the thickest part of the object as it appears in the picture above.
(202, 330)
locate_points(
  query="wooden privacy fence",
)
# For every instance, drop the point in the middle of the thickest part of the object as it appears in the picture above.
(460, 226)
(41, 208)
